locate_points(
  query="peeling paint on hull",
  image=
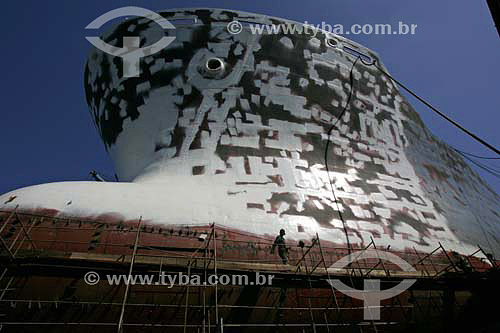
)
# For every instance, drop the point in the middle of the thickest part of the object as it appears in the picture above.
(247, 150)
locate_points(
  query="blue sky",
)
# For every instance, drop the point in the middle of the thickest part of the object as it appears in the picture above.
(46, 133)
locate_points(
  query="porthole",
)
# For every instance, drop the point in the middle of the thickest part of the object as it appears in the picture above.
(214, 65)
(331, 42)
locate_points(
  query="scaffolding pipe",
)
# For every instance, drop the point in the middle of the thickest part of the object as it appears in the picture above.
(25, 232)
(8, 219)
(120, 322)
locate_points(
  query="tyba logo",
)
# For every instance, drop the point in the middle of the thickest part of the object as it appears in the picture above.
(371, 294)
(130, 53)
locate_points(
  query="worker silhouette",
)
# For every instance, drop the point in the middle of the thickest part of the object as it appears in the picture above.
(282, 249)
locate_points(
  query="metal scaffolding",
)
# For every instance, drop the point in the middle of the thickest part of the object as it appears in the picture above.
(36, 248)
